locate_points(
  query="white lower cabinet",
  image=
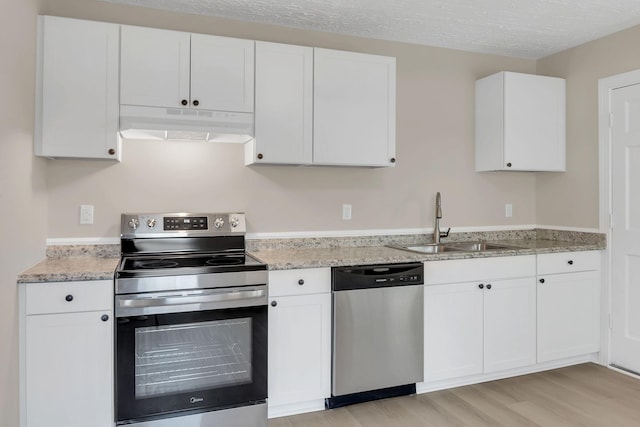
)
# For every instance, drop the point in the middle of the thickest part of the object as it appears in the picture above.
(299, 340)
(568, 304)
(483, 325)
(509, 324)
(67, 354)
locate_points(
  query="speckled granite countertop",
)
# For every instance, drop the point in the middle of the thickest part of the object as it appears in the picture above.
(70, 270)
(70, 263)
(283, 259)
(67, 263)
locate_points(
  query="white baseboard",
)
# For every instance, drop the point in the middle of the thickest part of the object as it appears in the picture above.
(295, 408)
(426, 387)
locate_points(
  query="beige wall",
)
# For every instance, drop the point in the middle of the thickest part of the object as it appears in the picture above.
(22, 186)
(571, 198)
(435, 150)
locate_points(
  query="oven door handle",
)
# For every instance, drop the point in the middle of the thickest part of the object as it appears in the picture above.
(188, 301)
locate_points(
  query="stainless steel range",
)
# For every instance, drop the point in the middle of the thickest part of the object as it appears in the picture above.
(191, 332)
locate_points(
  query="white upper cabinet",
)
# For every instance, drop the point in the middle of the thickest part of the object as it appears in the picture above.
(162, 68)
(77, 89)
(520, 123)
(354, 109)
(284, 105)
(155, 67)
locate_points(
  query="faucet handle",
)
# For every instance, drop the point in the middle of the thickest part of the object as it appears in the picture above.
(445, 233)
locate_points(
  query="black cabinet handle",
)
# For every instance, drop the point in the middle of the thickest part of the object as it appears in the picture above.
(184, 102)
(481, 286)
(541, 280)
(393, 160)
(69, 298)
(274, 303)
(112, 151)
(489, 286)
(570, 262)
(104, 318)
(196, 102)
(509, 164)
(260, 156)
(301, 282)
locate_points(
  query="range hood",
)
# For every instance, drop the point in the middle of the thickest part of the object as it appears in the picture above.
(157, 123)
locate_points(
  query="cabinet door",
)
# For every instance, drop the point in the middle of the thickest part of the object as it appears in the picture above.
(77, 89)
(299, 348)
(284, 104)
(568, 315)
(509, 324)
(69, 374)
(452, 331)
(520, 122)
(154, 67)
(222, 72)
(534, 122)
(354, 109)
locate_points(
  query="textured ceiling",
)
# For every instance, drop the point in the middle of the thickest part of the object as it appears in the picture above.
(518, 28)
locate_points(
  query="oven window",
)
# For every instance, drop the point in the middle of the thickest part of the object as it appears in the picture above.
(187, 357)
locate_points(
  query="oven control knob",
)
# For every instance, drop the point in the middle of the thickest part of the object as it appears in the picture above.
(234, 222)
(134, 223)
(219, 222)
(151, 223)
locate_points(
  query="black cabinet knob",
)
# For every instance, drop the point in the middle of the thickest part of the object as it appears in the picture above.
(509, 164)
(196, 102)
(489, 286)
(570, 262)
(104, 318)
(541, 280)
(274, 303)
(481, 286)
(393, 160)
(112, 151)
(301, 282)
(184, 102)
(69, 298)
(260, 156)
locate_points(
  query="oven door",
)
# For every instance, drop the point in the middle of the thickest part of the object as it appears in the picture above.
(189, 352)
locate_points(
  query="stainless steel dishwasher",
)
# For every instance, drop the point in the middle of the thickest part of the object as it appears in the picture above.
(378, 325)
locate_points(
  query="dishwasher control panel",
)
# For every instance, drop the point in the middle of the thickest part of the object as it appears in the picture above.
(376, 276)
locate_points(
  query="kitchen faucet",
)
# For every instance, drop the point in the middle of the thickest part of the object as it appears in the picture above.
(437, 234)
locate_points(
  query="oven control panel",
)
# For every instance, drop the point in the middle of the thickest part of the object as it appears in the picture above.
(185, 223)
(181, 224)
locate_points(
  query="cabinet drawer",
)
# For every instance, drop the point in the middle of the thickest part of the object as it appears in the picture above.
(299, 282)
(568, 262)
(42, 298)
(468, 270)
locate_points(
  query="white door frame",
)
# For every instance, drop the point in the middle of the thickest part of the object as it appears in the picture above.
(605, 86)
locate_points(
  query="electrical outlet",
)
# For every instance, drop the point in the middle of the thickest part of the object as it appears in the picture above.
(508, 210)
(86, 214)
(346, 212)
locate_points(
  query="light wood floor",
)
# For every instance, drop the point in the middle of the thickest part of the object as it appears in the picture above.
(582, 395)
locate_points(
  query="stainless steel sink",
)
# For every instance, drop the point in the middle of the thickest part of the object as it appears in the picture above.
(428, 249)
(455, 247)
(478, 246)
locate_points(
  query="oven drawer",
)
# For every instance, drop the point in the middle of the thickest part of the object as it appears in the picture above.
(67, 297)
(299, 282)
